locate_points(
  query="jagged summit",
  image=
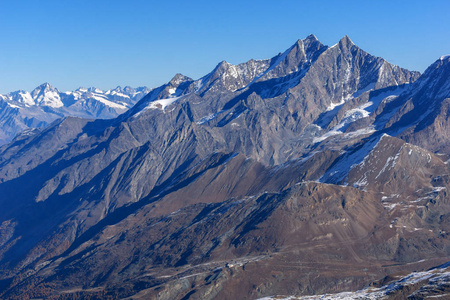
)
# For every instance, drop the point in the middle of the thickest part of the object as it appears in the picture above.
(178, 79)
(46, 95)
(440, 64)
(221, 67)
(345, 43)
(45, 87)
(311, 37)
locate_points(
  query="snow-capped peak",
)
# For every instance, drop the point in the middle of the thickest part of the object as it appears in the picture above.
(46, 95)
(45, 87)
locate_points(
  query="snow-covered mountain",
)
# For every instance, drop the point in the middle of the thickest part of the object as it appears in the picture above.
(22, 110)
(319, 170)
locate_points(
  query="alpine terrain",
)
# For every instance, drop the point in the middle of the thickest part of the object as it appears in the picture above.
(320, 170)
(22, 112)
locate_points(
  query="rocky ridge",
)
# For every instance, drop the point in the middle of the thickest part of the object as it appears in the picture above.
(429, 284)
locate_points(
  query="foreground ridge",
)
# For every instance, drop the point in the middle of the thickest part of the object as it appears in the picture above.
(417, 285)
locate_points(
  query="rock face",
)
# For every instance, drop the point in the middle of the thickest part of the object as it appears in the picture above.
(306, 173)
(22, 111)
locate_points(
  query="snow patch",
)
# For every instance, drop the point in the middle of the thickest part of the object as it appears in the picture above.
(362, 111)
(433, 278)
(162, 103)
(102, 99)
(332, 105)
(120, 94)
(388, 161)
(13, 105)
(208, 118)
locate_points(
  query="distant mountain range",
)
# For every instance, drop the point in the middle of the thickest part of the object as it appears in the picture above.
(319, 170)
(21, 110)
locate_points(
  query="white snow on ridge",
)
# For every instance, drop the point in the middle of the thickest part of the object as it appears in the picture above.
(350, 116)
(350, 160)
(359, 112)
(363, 131)
(364, 151)
(208, 118)
(356, 94)
(50, 98)
(444, 57)
(27, 99)
(334, 105)
(435, 277)
(162, 103)
(199, 84)
(119, 94)
(103, 100)
(325, 136)
(13, 105)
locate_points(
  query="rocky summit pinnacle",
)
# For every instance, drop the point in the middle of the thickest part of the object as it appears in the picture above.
(179, 78)
(317, 171)
(311, 37)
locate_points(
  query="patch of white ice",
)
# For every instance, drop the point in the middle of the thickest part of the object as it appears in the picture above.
(162, 103)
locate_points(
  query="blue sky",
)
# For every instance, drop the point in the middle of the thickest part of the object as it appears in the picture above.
(108, 43)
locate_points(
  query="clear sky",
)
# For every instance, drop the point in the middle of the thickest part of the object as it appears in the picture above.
(108, 43)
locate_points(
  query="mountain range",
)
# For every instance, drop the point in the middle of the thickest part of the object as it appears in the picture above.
(22, 111)
(316, 171)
